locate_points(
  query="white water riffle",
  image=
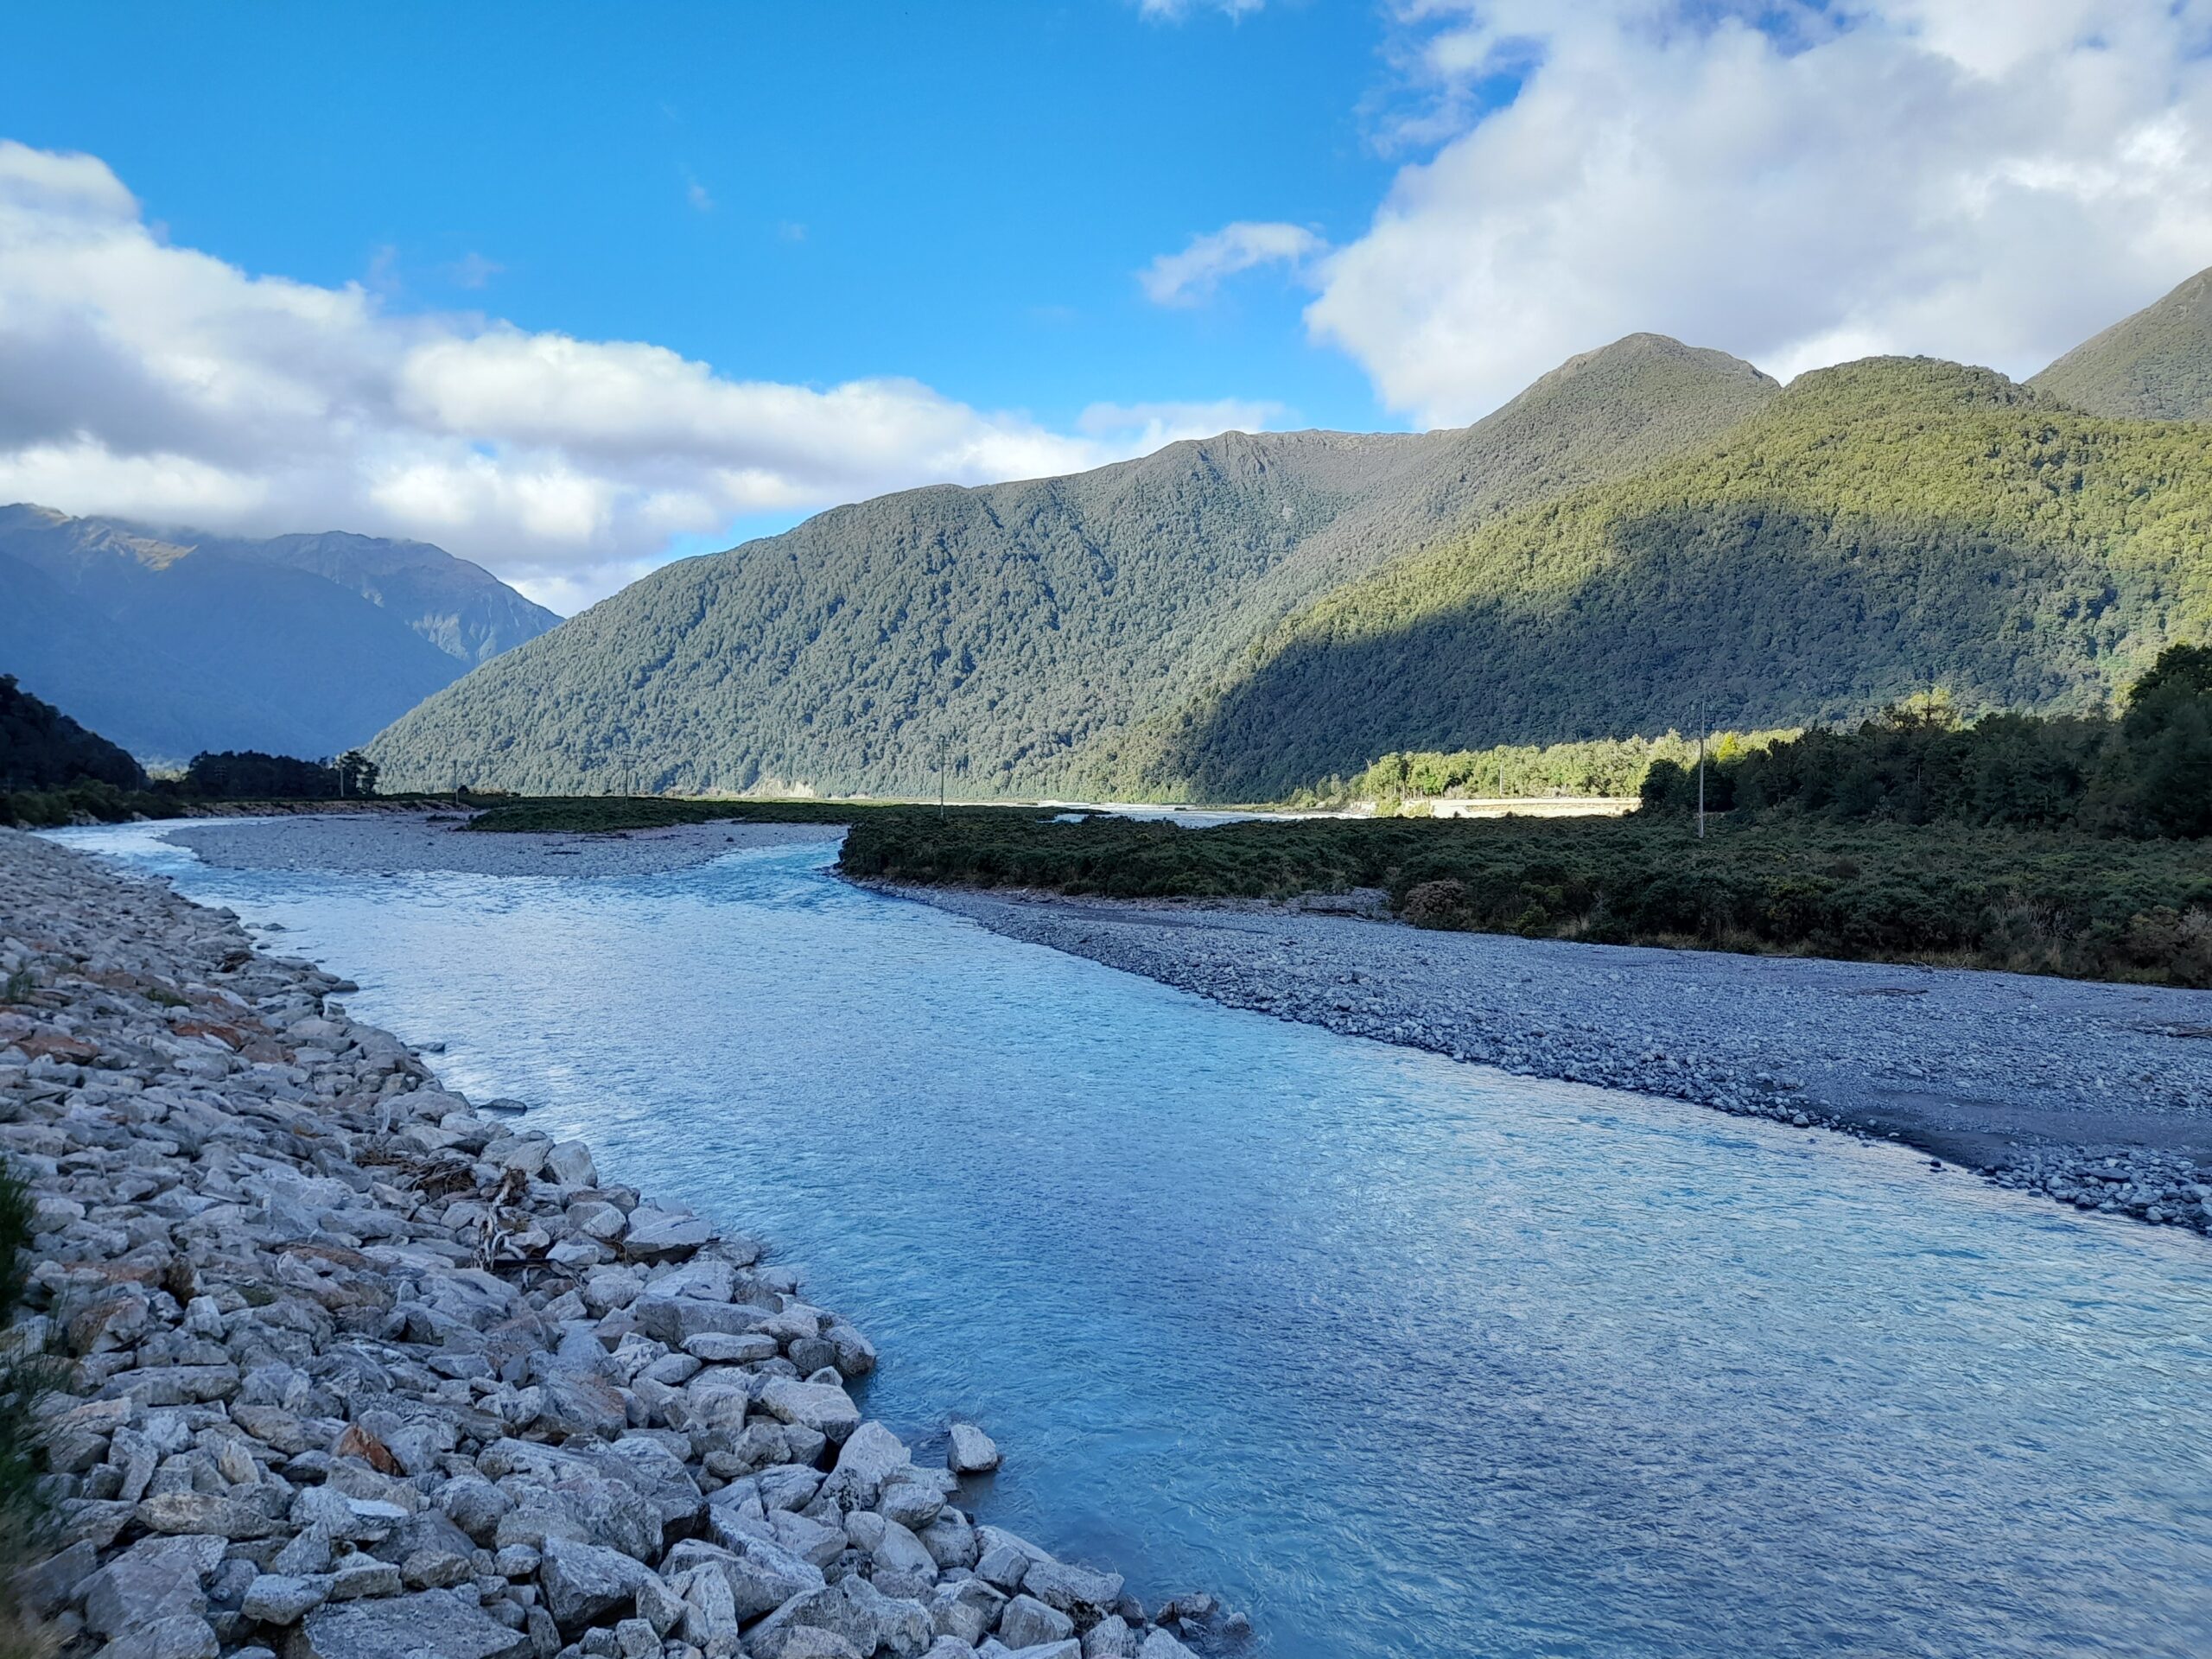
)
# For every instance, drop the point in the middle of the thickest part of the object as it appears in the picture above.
(1404, 1357)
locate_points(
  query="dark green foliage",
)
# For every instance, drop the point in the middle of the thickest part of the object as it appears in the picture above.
(2147, 773)
(24, 1379)
(2033, 902)
(40, 747)
(2155, 365)
(1877, 528)
(1026, 625)
(1615, 766)
(248, 774)
(2166, 738)
(356, 774)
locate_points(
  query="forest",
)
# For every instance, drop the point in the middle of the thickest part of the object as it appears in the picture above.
(2146, 772)
(1875, 530)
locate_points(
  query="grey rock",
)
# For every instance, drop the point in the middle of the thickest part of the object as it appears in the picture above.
(869, 1456)
(1158, 1644)
(360, 1577)
(570, 1164)
(659, 1606)
(1028, 1623)
(971, 1451)
(582, 1582)
(966, 1610)
(52, 1584)
(1076, 1590)
(474, 1505)
(662, 1235)
(711, 1622)
(894, 1548)
(1002, 1564)
(153, 1579)
(675, 1319)
(911, 1503)
(284, 1598)
(435, 1569)
(854, 1609)
(762, 1574)
(950, 1540)
(806, 1641)
(821, 1407)
(727, 1348)
(445, 1623)
(1110, 1638)
(182, 1635)
(203, 1513)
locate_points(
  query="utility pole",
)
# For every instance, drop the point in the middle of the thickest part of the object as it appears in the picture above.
(1700, 771)
(940, 778)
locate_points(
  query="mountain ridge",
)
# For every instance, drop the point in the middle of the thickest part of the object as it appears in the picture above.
(1019, 623)
(170, 642)
(1879, 526)
(2153, 365)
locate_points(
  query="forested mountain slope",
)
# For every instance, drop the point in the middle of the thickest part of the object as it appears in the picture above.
(1877, 528)
(172, 642)
(1023, 624)
(2155, 365)
(40, 747)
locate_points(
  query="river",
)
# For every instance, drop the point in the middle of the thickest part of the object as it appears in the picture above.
(1402, 1356)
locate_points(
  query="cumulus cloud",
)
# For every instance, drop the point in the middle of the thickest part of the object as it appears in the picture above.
(1797, 184)
(1192, 276)
(158, 382)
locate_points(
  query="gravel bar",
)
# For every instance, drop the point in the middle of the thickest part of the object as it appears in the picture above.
(374, 844)
(2099, 1095)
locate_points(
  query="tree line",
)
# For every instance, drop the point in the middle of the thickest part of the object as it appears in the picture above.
(2147, 771)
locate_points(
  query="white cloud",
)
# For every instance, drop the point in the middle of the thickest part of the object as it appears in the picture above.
(1174, 11)
(159, 383)
(1792, 183)
(1187, 277)
(473, 271)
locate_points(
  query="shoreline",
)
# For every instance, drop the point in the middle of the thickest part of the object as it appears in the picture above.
(357, 1369)
(2095, 1094)
(2098, 1095)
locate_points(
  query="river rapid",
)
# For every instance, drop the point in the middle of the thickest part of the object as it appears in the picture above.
(1401, 1356)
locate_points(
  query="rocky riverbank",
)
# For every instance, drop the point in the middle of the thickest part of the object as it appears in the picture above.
(357, 1371)
(2097, 1096)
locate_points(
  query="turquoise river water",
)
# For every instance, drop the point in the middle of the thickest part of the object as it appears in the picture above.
(1402, 1356)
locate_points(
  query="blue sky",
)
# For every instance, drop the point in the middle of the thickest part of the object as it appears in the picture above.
(881, 194)
(573, 290)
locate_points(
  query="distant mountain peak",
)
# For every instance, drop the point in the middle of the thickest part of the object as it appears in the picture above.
(170, 640)
(2154, 365)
